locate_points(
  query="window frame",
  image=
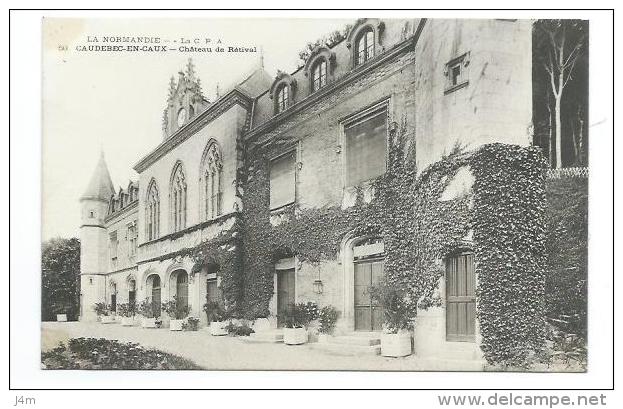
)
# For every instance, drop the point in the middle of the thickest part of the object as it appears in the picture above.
(370, 49)
(322, 79)
(292, 151)
(461, 62)
(282, 104)
(356, 118)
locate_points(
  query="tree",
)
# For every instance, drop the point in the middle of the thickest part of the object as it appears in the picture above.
(560, 45)
(60, 275)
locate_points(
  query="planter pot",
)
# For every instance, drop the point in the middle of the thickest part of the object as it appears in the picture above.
(294, 336)
(176, 325)
(396, 345)
(262, 325)
(127, 321)
(108, 319)
(218, 328)
(148, 322)
(61, 317)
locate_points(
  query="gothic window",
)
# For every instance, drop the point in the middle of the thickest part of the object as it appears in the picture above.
(114, 245)
(283, 96)
(211, 182)
(283, 180)
(152, 212)
(319, 75)
(364, 46)
(132, 239)
(366, 147)
(178, 198)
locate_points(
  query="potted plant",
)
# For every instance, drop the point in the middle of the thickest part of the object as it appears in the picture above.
(149, 313)
(103, 313)
(327, 317)
(295, 319)
(177, 312)
(126, 312)
(216, 318)
(399, 312)
(258, 315)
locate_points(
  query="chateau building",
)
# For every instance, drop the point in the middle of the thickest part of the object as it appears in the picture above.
(465, 81)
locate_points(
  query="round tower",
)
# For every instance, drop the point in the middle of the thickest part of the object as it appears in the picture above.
(94, 240)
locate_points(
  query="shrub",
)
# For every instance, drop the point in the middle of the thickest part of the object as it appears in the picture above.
(92, 353)
(242, 330)
(214, 311)
(148, 309)
(300, 315)
(101, 308)
(328, 317)
(175, 309)
(399, 309)
(191, 324)
(125, 309)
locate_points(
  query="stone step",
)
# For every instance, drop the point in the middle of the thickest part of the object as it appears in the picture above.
(265, 336)
(353, 340)
(346, 349)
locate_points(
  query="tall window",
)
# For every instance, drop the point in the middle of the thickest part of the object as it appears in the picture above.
(282, 180)
(178, 198)
(283, 96)
(366, 147)
(365, 46)
(319, 75)
(114, 245)
(212, 175)
(132, 239)
(152, 212)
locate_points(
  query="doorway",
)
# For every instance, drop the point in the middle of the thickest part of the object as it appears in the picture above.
(368, 312)
(285, 293)
(460, 298)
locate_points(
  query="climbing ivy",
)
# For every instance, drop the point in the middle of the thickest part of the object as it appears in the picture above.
(406, 213)
(509, 238)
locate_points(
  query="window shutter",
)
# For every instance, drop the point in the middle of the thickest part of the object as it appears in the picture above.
(366, 148)
(282, 180)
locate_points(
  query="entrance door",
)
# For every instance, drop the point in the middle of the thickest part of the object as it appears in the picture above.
(212, 291)
(181, 290)
(368, 313)
(285, 292)
(155, 295)
(460, 298)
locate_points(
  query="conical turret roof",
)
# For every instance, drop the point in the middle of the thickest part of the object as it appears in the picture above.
(100, 186)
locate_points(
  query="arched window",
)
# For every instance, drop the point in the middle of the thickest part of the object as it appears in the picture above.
(283, 97)
(319, 75)
(365, 46)
(211, 183)
(178, 198)
(152, 212)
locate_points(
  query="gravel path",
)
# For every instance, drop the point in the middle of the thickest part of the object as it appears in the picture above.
(225, 353)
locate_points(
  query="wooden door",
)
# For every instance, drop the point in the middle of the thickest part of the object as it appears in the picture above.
(368, 313)
(460, 298)
(155, 296)
(182, 289)
(212, 291)
(285, 292)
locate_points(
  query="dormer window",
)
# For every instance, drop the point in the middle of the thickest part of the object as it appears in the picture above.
(283, 97)
(319, 75)
(283, 92)
(365, 46)
(365, 40)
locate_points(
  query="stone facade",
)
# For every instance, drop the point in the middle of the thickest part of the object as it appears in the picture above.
(465, 81)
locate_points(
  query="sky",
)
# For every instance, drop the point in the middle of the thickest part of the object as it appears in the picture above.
(94, 101)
